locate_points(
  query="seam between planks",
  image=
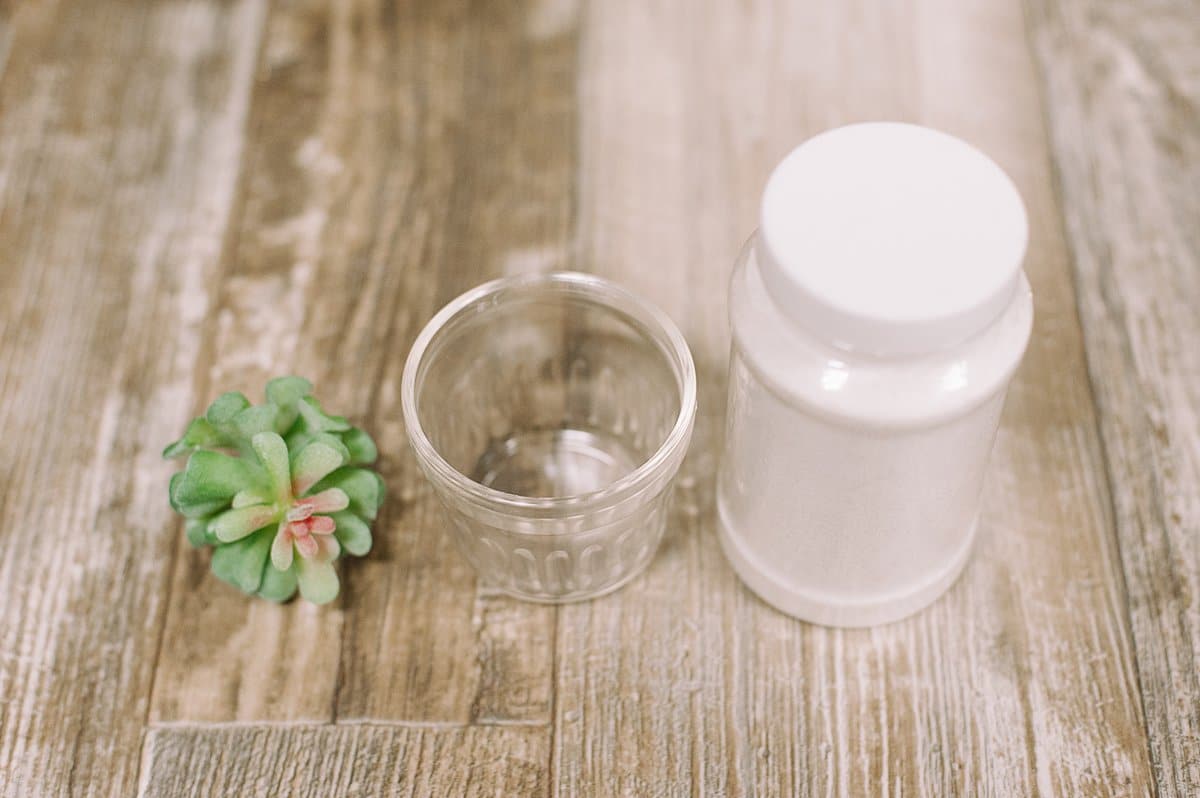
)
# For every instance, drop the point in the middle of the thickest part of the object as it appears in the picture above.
(201, 371)
(553, 763)
(1108, 476)
(431, 725)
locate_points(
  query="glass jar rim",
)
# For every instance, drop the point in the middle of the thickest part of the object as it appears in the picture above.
(649, 321)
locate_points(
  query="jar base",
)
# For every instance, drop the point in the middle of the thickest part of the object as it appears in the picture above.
(828, 610)
(568, 598)
(555, 462)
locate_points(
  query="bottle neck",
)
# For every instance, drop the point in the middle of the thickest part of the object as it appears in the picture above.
(864, 389)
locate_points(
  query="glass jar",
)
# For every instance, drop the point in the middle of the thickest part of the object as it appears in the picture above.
(551, 413)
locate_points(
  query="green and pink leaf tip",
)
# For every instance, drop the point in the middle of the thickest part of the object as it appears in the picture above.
(278, 490)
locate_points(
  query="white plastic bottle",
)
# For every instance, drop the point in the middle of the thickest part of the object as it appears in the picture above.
(878, 315)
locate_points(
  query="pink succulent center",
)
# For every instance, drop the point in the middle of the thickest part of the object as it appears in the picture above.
(301, 510)
(307, 528)
(303, 525)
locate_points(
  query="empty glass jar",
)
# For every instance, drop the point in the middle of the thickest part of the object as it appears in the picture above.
(551, 413)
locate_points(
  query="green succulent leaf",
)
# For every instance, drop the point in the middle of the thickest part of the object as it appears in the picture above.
(278, 585)
(209, 483)
(199, 433)
(301, 436)
(256, 419)
(313, 463)
(352, 532)
(197, 532)
(360, 446)
(225, 407)
(363, 486)
(241, 563)
(318, 580)
(236, 524)
(332, 440)
(285, 393)
(252, 467)
(249, 496)
(273, 454)
(176, 448)
(188, 508)
(317, 420)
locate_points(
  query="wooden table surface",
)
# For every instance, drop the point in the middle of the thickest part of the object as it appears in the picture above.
(196, 195)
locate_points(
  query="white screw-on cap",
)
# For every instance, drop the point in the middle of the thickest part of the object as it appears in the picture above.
(891, 238)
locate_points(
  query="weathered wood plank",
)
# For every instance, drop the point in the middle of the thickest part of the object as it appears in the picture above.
(6, 32)
(224, 656)
(1122, 93)
(121, 133)
(400, 154)
(1020, 680)
(348, 761)
(494, 196)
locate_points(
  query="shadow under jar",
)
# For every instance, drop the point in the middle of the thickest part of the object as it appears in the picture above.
(551, 413)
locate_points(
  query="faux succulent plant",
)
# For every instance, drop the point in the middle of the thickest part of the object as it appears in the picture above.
(278, 490)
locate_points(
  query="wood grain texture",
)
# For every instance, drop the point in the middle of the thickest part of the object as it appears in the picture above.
(1020, 681)
(492, 193)
(1123, 98)
(120, 138)
(398, 155)
(196, 195)
(346, 761)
